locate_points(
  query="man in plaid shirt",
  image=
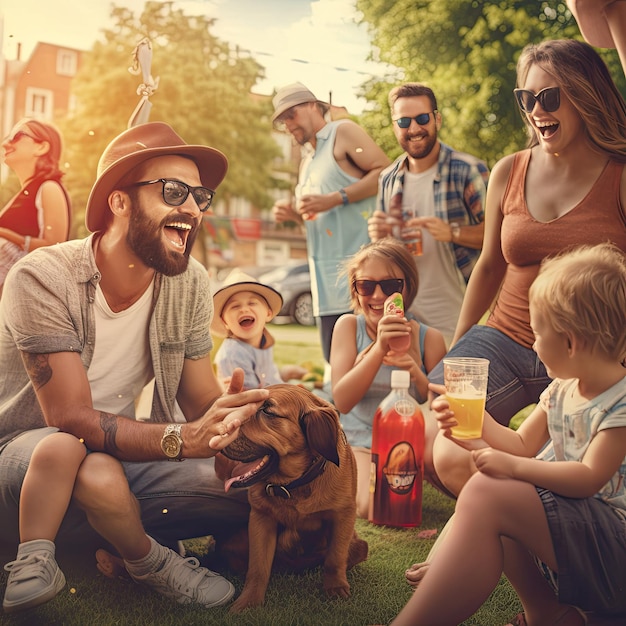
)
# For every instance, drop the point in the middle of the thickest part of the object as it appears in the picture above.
(436, 195)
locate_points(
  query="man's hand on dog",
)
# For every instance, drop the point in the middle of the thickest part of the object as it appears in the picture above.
(219, 426)
(232, 409)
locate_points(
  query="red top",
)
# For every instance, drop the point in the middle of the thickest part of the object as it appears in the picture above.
(21, 216)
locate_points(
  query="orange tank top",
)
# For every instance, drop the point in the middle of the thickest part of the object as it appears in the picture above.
(597, 218)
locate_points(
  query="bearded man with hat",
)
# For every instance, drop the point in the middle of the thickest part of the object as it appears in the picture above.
(84, 326)
(335, 195)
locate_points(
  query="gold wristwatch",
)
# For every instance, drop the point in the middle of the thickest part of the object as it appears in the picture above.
(455, 230)
(172, 442)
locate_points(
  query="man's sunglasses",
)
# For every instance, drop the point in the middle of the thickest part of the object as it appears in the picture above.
(18, 135)
(422, 119)
(549, 99)
(389, 286)
(288, 115)
(176, 192)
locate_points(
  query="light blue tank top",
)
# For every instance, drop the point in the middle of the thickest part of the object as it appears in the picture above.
(357, 424)
(336, 234)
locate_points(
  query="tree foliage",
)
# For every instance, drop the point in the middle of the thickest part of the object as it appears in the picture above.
(203, 93)
(466, 51)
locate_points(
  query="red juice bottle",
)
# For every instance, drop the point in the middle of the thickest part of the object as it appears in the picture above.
(397, 469)
(395, 304)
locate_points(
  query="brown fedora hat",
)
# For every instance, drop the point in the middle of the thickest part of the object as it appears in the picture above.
(136, 145)
(592, 21)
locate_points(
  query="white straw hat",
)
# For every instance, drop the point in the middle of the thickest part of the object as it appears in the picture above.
(235, 282)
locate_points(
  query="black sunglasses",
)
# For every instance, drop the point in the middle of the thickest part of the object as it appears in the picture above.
(176, 192)
(422, 119)
(389, 286)
(549, 99)
(18, 135)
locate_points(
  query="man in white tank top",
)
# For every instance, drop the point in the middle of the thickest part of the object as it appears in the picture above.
(432, 197)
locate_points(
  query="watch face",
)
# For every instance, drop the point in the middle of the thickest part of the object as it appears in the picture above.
(171, 446)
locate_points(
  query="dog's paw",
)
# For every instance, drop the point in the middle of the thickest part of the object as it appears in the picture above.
(337, 589)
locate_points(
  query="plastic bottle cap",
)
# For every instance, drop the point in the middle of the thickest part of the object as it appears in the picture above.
(400, 379)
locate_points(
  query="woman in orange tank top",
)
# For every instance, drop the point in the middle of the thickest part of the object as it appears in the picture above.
(568, 188)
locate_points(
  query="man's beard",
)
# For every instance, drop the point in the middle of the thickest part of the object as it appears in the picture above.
(422, 149)
(145, 240)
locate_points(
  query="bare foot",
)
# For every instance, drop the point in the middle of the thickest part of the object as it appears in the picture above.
(415, 573)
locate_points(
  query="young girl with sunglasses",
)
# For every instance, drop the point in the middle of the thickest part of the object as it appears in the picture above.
(39, 213)
(361, 358)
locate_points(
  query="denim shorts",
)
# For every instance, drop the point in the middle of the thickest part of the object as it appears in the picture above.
(178, 500)
(589, 539)
(516, 375)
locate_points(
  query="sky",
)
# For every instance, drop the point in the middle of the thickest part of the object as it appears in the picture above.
(316, 42)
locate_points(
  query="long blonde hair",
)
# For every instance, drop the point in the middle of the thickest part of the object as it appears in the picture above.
(584, 77)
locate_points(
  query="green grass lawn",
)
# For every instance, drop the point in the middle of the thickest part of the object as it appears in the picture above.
(378, 587)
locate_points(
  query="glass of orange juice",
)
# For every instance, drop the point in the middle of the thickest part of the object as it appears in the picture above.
(465, 379)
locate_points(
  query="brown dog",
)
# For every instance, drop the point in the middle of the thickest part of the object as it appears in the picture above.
(301, 478)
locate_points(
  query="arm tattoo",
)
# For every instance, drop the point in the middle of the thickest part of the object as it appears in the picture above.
(108, 424)
(38, 368)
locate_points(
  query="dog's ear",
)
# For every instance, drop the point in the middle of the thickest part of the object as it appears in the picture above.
(320, 425)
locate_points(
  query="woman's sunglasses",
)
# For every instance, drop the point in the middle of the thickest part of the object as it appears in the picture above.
(422, 119)
(18, 135)
(176, 192)
(549, 99)
(389, 286)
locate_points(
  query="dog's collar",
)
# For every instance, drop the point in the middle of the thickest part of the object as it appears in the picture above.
(282, 491)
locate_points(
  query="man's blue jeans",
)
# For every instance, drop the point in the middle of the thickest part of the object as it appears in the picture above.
(179, 500)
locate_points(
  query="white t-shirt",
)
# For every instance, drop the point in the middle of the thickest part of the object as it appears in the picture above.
(121, 364)
(441, 285)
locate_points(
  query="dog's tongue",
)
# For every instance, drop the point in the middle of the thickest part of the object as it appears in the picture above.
(243, 472)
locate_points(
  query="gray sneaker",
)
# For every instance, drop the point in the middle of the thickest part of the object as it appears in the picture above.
(34, 576)
(183, 580)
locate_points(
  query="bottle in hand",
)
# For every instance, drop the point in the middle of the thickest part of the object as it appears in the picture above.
(394, 304)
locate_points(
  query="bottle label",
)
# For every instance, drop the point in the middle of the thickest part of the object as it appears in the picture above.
(405, 407)
(400, 470)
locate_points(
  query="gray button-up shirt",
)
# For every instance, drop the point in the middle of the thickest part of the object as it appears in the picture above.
(47, 306)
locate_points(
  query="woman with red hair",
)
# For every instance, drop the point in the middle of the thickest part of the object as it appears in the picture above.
(39, 214)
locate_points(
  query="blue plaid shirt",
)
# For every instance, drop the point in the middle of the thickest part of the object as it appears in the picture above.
(460, 188)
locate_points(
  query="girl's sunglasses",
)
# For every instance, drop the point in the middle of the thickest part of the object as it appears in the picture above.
(549, 99)
(389, 286)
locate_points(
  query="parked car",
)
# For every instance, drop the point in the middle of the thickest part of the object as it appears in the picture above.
(293, 282)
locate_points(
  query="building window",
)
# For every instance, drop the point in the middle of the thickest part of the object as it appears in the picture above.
(39, 103)
(67, 62)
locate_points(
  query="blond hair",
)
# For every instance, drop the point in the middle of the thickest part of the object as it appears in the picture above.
(583, 292)
(389, 251)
